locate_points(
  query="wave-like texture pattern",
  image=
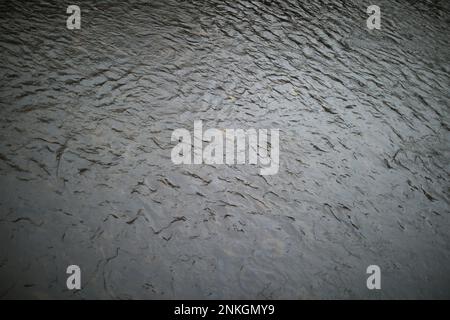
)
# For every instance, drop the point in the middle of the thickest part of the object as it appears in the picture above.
(86, 178)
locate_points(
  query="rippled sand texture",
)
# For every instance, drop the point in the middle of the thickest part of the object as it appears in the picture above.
(85, 170)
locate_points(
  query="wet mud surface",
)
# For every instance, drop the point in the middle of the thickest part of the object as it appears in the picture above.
(86, 177)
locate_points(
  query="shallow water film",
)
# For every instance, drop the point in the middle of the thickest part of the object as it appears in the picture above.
(87, 179)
